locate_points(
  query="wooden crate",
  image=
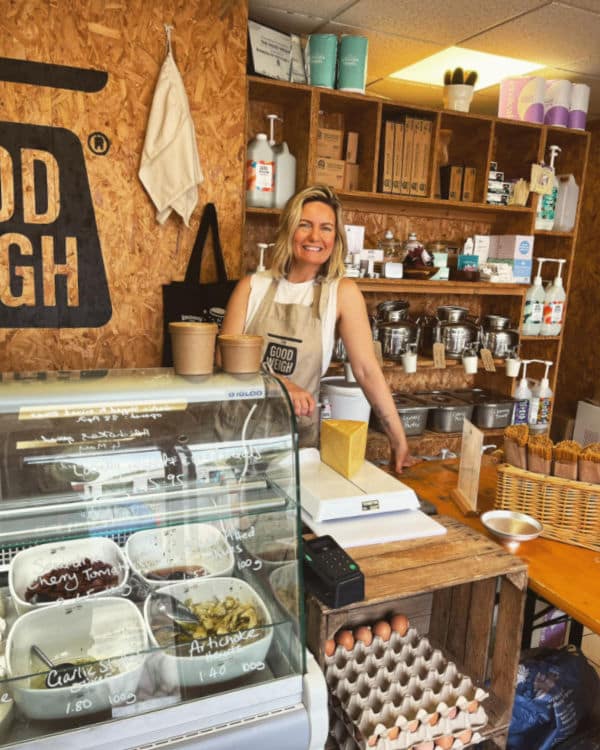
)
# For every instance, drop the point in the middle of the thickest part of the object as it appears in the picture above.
(461, 590)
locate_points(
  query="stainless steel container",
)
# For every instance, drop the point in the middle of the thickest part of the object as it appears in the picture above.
(491, 410)
(412, 413)
(395, 337)
(446, 413)
(499, 341)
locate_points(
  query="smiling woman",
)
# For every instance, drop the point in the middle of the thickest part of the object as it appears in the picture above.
(298, 305)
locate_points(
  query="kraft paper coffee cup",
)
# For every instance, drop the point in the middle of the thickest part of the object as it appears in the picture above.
(193, 347)
(322, 57)
(240, 353)
(352, 63)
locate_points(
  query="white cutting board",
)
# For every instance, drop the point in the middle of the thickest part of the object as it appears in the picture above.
(377, 529)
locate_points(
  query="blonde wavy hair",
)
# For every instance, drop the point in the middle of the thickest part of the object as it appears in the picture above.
(290, 219)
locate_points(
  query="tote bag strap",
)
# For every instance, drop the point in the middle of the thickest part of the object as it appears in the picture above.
(209, 221)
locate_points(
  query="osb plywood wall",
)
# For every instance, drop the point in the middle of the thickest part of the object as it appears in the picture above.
(126, 40)
(579, 374)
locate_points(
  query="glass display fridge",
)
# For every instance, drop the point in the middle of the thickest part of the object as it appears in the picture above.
(150, 565)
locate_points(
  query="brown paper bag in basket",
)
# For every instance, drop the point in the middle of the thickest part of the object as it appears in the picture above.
(539, 454)
(566, 454)
(515, 445)
(589, 464)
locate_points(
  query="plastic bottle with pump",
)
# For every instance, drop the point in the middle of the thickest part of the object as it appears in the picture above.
(260, 173)
(262, 247)
(534, 304)
(285, 166)
(541, 403)
(522, 398)
(566, 204)
(554, 304)
(546, 208)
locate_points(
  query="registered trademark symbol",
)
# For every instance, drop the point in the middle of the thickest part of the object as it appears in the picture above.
(98, 143)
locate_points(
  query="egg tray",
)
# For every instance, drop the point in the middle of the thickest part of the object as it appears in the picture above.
(396, 694)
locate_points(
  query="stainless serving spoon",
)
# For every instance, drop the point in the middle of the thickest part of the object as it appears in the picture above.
(171, 607)
(68, 673)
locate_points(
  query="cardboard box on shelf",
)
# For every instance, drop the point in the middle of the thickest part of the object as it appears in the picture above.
(330, 172)
(587, 423)
(407, 155)
(468, 184)
(398, 154)
(351, 175)
(351, 147)
(387, 158)
(330, 143)
(451, 181)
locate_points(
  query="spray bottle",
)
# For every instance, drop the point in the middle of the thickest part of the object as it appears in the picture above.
(554, 304)
(522, 397)
(285, 166)
(534, 304)
(546, 208)
(541, 403)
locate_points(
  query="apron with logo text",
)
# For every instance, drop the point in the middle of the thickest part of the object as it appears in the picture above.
(293, 346)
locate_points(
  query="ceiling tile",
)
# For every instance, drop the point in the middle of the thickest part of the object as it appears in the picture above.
(436, 21)
(322, 9)
(585, 66)
(387, 53)
(593, 5)
(553, 35)
(285, 21)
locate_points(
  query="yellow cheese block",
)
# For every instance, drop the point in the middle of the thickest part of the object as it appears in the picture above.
(343, 445)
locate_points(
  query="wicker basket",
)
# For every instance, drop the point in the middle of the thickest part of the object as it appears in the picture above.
(569, 510)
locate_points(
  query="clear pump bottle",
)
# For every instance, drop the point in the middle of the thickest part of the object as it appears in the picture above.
(534, 304)
(522, 398)
(554, 305)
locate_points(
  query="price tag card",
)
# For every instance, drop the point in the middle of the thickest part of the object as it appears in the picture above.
(439, 356)
(465, 494)
(488, 360)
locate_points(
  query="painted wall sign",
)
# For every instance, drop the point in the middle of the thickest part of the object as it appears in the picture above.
(52, 272)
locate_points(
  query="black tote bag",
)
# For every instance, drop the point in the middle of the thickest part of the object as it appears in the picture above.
(191, 300)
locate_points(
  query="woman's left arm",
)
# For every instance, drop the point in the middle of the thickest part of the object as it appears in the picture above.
(354, 328)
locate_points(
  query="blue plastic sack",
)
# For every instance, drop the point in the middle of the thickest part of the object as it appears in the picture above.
(555, 690)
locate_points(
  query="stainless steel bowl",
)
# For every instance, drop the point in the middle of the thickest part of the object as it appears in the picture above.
(511, 527)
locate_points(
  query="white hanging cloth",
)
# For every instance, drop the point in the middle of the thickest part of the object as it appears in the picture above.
(170, 167)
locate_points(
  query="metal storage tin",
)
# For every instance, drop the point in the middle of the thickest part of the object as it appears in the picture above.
(491, 410)
(446, 412)
(412, 413)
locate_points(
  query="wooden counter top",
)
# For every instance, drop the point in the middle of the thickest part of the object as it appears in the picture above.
(565, 575)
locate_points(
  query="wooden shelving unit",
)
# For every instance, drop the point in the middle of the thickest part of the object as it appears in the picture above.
(474, 140)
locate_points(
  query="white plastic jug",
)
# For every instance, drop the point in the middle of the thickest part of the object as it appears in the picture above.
(260, 173)
(566, 204)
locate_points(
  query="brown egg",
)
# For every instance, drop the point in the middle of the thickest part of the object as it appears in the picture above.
(427, 745)
(393, 733)
(452, 713)
(413, 725)
(465, 736)
(363, 633)
(345, 639)
(382, 629)
(433, 719)
(472, 706)
(445, 742)
(400, 624)
(329, 647)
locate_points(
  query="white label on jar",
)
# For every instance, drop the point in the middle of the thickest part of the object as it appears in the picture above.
(264, 176)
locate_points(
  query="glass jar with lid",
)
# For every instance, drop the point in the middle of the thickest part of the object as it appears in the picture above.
(392, 248)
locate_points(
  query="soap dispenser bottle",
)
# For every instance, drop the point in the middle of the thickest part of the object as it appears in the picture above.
(554, 304)
(541, 403)
(534, 304)
(260, 173)
(522, 398)
(285, 166)
(546, 208)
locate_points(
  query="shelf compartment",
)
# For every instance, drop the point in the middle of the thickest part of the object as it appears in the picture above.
(293, 104)
(357, 114)
(515, 148)
(468, 145)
